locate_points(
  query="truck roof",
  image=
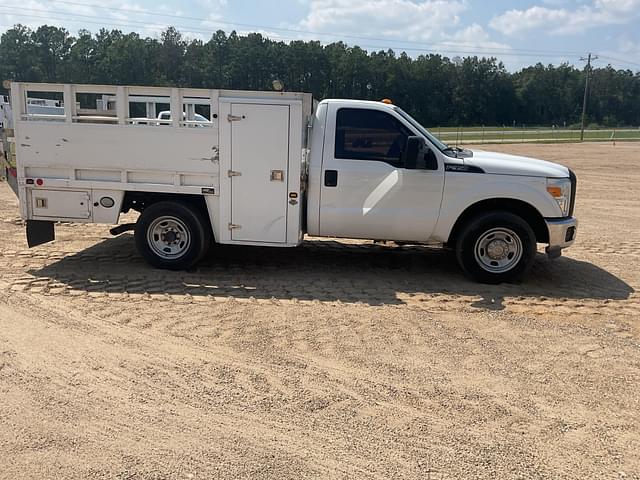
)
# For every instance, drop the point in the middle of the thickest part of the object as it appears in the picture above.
(349, 101)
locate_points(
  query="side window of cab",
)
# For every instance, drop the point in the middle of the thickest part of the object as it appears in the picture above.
(363, 134)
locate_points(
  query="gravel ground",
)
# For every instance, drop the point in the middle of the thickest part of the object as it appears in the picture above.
(333, 360)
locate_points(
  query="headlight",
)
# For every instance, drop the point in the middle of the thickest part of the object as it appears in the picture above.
(560, 189)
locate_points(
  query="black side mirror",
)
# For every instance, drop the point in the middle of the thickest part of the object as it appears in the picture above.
(412, 151)
(418, 156)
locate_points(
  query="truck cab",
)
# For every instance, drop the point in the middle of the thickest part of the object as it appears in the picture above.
(376, 173)
(367, 178)
(268, 168)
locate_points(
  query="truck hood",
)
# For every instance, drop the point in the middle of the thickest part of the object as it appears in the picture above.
(504, 164)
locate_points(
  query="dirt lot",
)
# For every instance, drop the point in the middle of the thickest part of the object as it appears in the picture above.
(336, 360)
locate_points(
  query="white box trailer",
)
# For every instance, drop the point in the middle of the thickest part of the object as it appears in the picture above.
(266, 168)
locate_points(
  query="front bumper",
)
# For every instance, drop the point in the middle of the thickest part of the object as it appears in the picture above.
(562, 234)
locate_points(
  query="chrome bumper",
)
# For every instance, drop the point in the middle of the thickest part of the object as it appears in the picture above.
(562, 234)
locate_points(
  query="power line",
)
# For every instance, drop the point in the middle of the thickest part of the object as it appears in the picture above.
(477, 51)
(620, 60)
(498, 50)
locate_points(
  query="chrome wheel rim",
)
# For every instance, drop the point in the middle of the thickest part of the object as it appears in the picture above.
(168, 237)
(498, 250)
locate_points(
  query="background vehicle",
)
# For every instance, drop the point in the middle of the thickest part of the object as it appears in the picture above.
(266, 168)
(166, 115)
(165, 118)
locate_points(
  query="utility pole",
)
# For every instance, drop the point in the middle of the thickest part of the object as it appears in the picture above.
(586, 92)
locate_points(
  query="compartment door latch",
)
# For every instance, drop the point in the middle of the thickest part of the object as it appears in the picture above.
(277, 175)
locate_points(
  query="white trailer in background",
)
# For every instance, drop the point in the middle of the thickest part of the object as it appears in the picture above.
(266, 168)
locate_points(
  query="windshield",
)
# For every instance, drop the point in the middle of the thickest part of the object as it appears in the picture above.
(440, 145)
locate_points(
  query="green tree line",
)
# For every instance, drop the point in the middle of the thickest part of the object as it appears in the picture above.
(434, 88)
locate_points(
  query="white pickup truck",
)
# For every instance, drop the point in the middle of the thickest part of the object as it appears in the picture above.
(266, 168)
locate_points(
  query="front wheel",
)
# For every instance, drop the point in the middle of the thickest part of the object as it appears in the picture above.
(496, 247)
(172, 235)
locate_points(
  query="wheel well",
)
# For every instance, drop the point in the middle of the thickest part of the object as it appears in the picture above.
(524, 210)
(138, 201)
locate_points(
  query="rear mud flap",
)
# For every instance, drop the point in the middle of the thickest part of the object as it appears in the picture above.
(39, 232)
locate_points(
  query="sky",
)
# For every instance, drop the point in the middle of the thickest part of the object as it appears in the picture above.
(518, 32)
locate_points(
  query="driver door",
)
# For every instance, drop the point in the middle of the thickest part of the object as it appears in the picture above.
(366, 192)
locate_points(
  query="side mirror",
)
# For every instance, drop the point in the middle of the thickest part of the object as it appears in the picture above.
(412, 151)
(418, 156)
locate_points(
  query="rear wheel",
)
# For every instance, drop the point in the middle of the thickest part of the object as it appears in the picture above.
(496, 247)
(172, 235)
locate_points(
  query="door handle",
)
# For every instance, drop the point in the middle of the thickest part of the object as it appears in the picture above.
(330, 178)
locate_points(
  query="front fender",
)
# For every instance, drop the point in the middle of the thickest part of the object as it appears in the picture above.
(463, 190)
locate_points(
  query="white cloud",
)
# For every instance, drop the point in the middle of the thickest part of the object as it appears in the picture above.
(565, 21)
(475, 36)
(618, 6)
(417, 27)
(400, 19)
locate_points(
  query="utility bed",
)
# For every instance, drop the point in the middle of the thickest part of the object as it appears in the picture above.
(107, 140)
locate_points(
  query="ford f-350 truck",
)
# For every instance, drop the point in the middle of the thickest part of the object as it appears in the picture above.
(268, 168)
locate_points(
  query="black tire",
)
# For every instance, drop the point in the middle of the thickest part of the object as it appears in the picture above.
(172, 235)
(511, 256)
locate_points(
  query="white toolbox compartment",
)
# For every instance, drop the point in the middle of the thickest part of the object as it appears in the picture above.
(60, 204)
